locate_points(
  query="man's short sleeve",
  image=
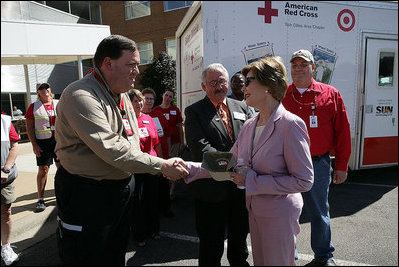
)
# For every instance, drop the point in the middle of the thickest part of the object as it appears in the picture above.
(29, 113)
(14, 137)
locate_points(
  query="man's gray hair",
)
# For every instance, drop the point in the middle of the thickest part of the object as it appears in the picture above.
(214, 66)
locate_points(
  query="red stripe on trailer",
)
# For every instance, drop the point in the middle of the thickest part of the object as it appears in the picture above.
(379, 150)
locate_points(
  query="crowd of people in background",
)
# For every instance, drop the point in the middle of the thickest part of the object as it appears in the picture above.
(118, 158)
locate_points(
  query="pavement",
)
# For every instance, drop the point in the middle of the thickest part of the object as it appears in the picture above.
(28, 226)
(363, 211)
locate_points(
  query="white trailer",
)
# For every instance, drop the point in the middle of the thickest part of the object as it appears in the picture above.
(355, 46)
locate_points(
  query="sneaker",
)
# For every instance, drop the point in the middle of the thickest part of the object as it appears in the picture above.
(8, 255)
(320, 262)
(40, 206)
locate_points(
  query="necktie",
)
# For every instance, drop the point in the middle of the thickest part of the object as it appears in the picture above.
(226, 121)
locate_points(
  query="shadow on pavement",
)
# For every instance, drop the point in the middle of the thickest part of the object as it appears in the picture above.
(361, 189)
(41, 248)
(51, 201)
(162, 251)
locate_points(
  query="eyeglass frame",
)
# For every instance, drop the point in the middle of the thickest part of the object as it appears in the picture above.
(248, 80)
(215, 83)
(301, 65)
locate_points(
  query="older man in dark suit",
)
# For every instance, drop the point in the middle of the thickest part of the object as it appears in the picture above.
(213, 124)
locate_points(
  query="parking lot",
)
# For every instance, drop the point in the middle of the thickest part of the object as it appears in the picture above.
(364, 213)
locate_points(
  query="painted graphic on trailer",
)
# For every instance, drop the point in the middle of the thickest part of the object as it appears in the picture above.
(325, 63)
(254, 52)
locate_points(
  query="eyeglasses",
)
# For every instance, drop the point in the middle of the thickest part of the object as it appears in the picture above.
(301, 66)
(248, 80)
(214, 83)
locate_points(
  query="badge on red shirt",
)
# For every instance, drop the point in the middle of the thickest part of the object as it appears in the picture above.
(143, 132)
(128, 129)
(313, 121)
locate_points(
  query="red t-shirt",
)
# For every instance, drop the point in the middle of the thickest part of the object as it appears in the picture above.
(29, 114)
(14, 137)
(331, 132)
(148, 134)
(163, 133)
(173, 116)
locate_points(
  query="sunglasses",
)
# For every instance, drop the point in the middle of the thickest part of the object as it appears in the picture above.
(248, 80)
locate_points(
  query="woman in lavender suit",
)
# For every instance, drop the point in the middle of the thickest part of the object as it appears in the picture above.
(275, 147)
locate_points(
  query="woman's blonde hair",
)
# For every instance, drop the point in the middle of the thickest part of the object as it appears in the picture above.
(271, 72)
(134, 92)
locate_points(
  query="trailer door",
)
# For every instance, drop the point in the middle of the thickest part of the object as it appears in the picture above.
(379, 137)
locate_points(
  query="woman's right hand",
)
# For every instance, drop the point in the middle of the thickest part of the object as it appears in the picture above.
(37, 150)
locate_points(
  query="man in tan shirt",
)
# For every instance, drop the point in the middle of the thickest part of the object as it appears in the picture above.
(98, 148)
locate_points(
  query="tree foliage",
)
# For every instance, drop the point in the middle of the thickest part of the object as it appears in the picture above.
(159, 75)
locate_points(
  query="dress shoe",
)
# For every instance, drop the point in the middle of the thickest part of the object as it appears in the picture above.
(317, 262)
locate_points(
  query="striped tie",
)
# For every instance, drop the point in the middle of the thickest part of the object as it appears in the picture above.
(226, 121)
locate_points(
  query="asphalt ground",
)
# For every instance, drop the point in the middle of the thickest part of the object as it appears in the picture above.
(364, 219)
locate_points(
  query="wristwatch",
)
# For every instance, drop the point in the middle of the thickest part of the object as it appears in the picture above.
(5, 170)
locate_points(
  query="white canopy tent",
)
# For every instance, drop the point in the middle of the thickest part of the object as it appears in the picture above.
(41, 42)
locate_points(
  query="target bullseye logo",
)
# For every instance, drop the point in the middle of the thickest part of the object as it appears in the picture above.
(346, 20)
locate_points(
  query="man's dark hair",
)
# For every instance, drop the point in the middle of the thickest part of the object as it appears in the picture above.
(170, 90)
(112, 46)
(237, 74)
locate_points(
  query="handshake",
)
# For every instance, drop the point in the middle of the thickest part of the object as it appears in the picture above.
(174, 169)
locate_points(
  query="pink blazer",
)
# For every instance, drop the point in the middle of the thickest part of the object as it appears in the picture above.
(280, 165)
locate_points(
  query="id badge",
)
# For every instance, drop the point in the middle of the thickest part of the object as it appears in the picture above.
(313, 121)
(143, 132)
(127, 127)
(52, 127)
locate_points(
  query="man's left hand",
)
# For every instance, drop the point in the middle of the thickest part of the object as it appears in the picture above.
(339, 177)
(4, 177)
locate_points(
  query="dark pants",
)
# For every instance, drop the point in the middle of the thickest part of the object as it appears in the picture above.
(145, 213)
(214, 220)
(102, 209)
(164, 196)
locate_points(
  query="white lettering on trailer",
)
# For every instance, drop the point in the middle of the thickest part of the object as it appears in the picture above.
(300, 9)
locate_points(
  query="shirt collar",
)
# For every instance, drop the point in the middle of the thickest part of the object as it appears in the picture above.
(215, 104)
(314, 86)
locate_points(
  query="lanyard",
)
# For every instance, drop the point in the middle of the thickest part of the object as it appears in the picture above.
(52, 106)
(313, 105)
(121, 106)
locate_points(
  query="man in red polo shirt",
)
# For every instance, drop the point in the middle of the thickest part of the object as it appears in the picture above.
(322, 109)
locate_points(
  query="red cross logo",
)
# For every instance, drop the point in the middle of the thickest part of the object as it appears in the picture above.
(268, 12)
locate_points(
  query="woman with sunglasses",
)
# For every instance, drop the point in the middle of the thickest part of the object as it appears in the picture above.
(275, 148)
(40, 126)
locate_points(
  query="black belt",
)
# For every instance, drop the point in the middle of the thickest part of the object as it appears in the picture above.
(320, 156)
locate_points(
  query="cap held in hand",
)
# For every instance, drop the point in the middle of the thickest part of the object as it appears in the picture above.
(219, 164)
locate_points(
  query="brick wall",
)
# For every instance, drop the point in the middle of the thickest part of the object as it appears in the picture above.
(155, 28)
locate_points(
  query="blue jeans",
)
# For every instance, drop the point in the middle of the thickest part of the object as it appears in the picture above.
(317, 207)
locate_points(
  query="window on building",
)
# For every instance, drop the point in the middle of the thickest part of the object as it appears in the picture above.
(146, 53)
(385, 69)
(171, 5)
(60, 5)
(171, 47)
(80, 9)
(137, 9)
(95, 12)
(89, 10)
